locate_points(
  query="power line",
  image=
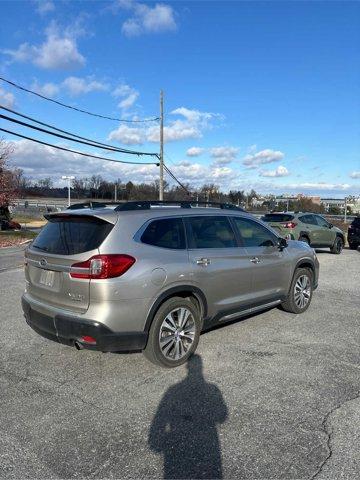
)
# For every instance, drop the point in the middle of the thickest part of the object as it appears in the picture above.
(19, 87)
(116, 149)
(19, 122)
(176, 180)
(74, 151)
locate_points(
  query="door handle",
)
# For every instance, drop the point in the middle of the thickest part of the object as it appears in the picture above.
(203, 261)
(255, 260)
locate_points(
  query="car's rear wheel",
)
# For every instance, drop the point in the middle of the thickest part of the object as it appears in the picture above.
(302, 238)
(174, 333)
(353, 246)
(338, 246)
(300, 292)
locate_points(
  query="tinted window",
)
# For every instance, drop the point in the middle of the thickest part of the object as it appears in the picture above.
(321, 221)
(165, 233)
(71, 235)
(356, 222)
(309, 219)
(211, 232)
(277, 217)
(253, 234)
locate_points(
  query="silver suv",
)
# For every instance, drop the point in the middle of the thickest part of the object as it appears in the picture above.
(151, 276)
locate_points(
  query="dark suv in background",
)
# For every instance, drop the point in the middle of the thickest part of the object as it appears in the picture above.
(354, 234)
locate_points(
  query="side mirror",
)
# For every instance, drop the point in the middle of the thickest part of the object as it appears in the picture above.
(282, 243)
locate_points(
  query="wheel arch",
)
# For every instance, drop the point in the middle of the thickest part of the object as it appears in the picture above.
(184, 291)
(304, 234)
(306, 263)
(340, 235)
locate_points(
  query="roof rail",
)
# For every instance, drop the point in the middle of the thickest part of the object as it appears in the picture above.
(91, 204)
(147, 204)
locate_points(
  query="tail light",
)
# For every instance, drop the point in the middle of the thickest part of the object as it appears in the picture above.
(102, 266)
(88, 339)
(289, 224)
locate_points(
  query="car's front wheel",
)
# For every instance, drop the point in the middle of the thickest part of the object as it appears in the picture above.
(338, 246)
(300, 292)
(174, 333)
(353, 246)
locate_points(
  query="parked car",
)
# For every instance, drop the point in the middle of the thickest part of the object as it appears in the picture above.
(310, 228)
(354, 234)
(9, 225)
(142, 277)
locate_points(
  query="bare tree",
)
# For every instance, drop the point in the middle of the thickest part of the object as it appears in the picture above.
(8, 182)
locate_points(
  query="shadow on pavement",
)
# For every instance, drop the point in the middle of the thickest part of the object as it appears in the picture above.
(184, 429)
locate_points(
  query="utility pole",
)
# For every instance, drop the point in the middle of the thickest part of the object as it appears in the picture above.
(345, 213)
(115, 192)
(68, 178)
(161, 184)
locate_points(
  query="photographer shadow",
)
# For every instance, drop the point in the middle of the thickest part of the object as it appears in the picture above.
(184, 429)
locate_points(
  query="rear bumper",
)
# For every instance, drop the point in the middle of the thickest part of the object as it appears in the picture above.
(68, 330)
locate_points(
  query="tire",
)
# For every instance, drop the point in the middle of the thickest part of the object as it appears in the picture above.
(338, 246)
(353, 246)
(166, 324)
(304, 239)
(297, 302)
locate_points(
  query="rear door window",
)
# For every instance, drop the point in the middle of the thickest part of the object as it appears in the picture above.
(165, 233)
(71, 235)
(210, 232)
(308, 219)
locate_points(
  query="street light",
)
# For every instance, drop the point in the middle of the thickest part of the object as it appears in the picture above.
(68, 178)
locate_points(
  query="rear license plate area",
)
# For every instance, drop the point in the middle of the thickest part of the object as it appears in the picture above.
(47, 278)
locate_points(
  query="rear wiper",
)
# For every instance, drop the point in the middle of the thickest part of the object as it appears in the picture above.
(39, 248)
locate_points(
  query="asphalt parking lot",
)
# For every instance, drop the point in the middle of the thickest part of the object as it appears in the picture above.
(272, 396)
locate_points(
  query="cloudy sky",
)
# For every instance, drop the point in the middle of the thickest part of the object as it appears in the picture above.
(260, 95)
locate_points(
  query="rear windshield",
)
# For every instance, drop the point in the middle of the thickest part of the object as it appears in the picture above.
(71, 235)
(277, 217)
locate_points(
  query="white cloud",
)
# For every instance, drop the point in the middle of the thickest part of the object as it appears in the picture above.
(280, 171)
(47, 89)
(73, 86)
(253, 160)
(197, 174)
(194, 151)
(223, 155)
(45, 6)
(39, 161)
(78, 86)
(128, 94)
(319, 186)
(146, 19)
(127, 135)
(58, 52)
(355, 174)
(192, 125)
(6, 98)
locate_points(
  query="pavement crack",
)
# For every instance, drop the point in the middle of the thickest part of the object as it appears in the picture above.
(329, 432)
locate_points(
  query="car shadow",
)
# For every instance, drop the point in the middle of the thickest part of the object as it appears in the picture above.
(184, 428)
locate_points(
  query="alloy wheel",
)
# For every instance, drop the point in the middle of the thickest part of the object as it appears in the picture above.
(302, 291)
(177, 333)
